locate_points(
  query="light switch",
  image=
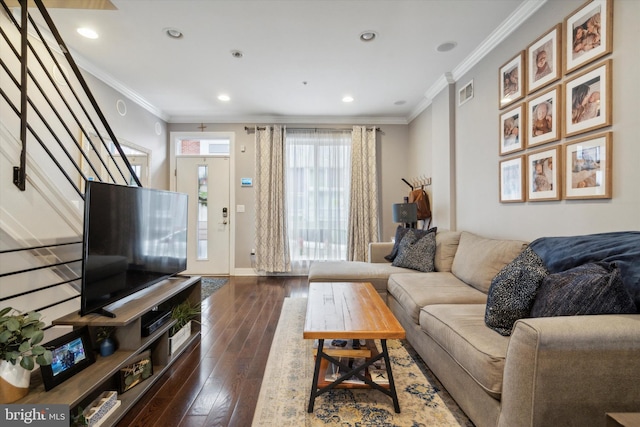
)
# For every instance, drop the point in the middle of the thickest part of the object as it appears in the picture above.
(239, 208)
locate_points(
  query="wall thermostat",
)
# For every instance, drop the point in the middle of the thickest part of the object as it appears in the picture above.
(246, 182)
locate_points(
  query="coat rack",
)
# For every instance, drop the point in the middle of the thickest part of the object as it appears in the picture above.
(420, 181)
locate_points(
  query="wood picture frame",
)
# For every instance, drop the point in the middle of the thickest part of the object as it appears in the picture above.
(588, 32)
(543, 176)
(587, 167)
(140, 368)
(512, 138)
(511, 81)
(544, 117)
(71, 354)
(511, 179)
(588, 99)
(544, 59)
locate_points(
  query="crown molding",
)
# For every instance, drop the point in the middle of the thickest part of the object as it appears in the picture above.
(508, 26)
(333, 120)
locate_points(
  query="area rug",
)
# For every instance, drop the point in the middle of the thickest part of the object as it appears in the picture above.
(284, 394)
(211, 284)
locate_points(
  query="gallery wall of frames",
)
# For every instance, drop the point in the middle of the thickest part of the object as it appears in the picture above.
(552, 95)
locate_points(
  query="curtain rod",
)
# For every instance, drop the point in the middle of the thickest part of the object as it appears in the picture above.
(252, 130)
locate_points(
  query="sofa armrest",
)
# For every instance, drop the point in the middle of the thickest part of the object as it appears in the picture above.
(571, 369)
(378, 250)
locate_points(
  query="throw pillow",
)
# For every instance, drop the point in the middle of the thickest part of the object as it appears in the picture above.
(400, 233)
(592, 288)
(513, 291)
(416, 251)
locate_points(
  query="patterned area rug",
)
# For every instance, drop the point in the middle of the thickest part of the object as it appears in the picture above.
(284, 395)
(211, 284)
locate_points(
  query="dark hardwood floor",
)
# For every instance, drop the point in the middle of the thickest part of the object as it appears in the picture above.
(216, 381)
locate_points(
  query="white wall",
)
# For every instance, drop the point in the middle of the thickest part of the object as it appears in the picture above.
(476, 142)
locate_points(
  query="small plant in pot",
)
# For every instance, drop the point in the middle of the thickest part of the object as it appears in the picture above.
(183, 313)
(20, 350)
(104, 337)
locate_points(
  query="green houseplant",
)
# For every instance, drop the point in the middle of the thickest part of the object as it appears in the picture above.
(183, 313)
(20, 349)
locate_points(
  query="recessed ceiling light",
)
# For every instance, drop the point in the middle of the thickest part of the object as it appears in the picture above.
(401, 102)
(367, 36)
(173, 33)
(347, 98)
(237, 54)
(446, 47)
(87, 32)
(224, 97)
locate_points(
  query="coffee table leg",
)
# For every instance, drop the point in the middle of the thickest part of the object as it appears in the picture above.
(316, 374)
(392, 385)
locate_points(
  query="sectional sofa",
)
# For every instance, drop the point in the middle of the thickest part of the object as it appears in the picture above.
(555, 370)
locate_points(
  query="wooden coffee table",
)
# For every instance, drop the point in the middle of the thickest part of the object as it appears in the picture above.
(348, 311)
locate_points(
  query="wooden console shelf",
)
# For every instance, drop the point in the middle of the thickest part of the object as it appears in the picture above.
(101, 376)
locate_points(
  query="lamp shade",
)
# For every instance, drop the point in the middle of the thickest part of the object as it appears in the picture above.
(405, 212)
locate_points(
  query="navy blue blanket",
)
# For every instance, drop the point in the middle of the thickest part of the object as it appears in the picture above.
(622, 248)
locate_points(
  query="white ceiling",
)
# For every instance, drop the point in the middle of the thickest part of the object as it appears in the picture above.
(286, 43)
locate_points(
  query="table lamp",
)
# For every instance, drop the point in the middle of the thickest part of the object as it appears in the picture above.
(406, 213)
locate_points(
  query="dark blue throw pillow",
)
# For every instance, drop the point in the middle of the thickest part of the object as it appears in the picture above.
(592, 288)
(400, 232)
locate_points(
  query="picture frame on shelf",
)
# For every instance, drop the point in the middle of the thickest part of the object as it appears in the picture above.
(588, 99)
(544, 117)
(71, 354)
(588, 32)
(511, 177)
(511, 81)
(139, 369)
(543, 176)
(588, 167)
(512, 138)
(544, 59)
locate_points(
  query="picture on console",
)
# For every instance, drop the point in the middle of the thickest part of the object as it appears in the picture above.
(67, 356)
(71, 354)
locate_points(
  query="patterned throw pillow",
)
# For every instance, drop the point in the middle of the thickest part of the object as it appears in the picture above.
(513, 291)
(592, 288)
(416, 251)
(400, 233)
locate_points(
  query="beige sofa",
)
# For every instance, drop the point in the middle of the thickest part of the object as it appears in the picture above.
(552, 371)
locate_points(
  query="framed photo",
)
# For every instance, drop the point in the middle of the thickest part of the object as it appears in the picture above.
(544, 117)
(511, 136)
(512, 180)
(511, 81)
(543, 178)
(588, 100)
(587, 168)
(71, 354)
(543, 57)
(588, 34)
(137, 371)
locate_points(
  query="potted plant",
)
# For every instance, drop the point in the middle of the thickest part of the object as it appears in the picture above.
(104, 339)
(183, 313)
(20, 349)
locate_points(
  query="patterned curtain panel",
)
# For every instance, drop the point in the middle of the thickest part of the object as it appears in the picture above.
(272, 248)
(363, 204)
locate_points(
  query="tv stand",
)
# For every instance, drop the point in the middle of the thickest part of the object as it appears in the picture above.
(106, 313)
(104, 374)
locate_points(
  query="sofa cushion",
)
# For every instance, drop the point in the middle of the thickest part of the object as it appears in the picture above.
(354, 271)
(513, 291)
(416, 252)
(415, 290)
(460, 330)
(592, 288)
(479, 259)
(446, 246)
(400, 233)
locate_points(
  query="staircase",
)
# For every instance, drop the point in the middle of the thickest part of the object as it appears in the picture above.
(53, 139)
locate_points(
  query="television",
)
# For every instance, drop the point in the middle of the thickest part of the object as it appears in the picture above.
(133, 238)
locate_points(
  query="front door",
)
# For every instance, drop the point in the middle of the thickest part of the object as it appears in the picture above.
(206, 181)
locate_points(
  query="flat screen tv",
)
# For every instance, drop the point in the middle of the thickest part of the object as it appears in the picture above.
(133, 238)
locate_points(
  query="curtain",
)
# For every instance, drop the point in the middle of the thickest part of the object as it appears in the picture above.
(318, 163)
(272, 247)
(363, 204)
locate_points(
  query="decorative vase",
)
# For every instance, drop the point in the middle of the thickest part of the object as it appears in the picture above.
(107, 347)
(14, 382)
